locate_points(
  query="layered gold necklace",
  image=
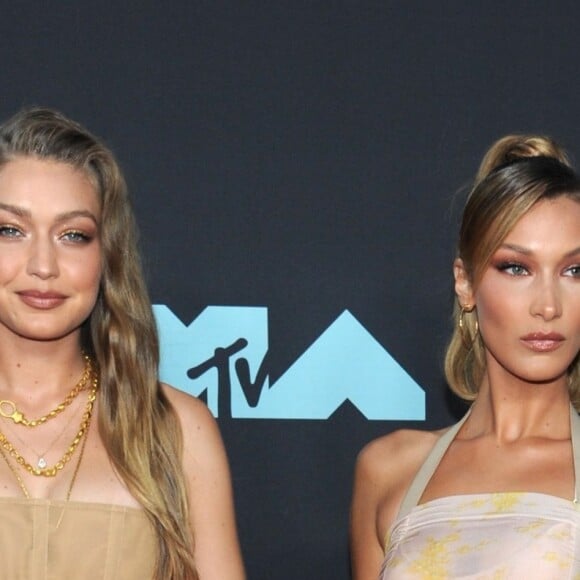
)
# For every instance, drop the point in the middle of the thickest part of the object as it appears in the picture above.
(41, 463)
(42, 469)
(74, 475)
(9, 411)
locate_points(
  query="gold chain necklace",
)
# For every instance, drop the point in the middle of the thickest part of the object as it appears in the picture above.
(41, 461)
(9, 411)
(73, 478)
(52, 471)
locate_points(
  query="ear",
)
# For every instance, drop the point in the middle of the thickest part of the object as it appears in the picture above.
(463, 288)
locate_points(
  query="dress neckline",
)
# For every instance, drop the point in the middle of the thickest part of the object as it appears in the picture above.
(428, 468)
(48, 502)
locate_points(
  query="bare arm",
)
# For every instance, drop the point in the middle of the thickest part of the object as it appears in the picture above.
(217, 550)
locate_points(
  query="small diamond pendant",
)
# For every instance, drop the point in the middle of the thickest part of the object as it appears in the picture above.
(41, 463)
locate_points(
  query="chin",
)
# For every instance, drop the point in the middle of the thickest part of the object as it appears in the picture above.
(546, 379)
(45, 334)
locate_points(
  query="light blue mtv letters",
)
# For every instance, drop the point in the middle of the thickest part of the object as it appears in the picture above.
(221, 355)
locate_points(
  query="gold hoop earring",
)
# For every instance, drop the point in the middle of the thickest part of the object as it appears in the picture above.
(467, 340)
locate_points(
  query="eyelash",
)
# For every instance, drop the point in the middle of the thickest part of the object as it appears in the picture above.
(8, 231)
(79, 237)
(507, 266)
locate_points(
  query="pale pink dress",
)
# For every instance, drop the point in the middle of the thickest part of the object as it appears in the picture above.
(494, 536)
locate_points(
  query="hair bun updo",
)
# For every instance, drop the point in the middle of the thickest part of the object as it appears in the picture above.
(513, 148)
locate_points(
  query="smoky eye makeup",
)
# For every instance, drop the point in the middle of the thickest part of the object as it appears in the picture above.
(77, 236)
(512, 267)
(511, 261)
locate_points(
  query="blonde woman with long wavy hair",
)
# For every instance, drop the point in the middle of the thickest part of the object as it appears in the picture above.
(104, 472)
(494, 496)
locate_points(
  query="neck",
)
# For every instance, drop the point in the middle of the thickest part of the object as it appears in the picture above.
(42, 370)
(510, 409)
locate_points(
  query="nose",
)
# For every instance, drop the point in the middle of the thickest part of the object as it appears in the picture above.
(42, 260)
(546, 301)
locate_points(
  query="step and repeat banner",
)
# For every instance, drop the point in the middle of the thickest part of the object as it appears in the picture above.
(298, 170)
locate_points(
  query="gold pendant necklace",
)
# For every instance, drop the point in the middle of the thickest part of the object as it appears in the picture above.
(41, 462)
(59, 465)
(9, 411)
(73, 478)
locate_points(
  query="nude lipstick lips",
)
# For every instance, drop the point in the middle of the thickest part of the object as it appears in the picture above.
(543, 341)
(41, 300)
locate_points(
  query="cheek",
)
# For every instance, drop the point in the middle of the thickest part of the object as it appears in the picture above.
(11, 262)
(87, 272)
(576, 318)
(90, 287)
(7, 270)
(498, 308)
(94, 278)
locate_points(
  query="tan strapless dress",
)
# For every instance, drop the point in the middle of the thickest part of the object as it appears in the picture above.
(67, 540)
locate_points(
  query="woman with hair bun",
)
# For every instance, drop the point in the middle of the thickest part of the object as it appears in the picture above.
(494, 496)
(105, 474)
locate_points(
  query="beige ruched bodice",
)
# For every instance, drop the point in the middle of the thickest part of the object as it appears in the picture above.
(60, 540)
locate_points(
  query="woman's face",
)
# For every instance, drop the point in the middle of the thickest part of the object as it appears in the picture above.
(50, 251)
(528, 300)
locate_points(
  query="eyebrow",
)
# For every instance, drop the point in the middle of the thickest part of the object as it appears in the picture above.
(24, 213)
(528, 252)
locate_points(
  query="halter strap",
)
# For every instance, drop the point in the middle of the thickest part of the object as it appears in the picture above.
(426, 471)
(575, 429)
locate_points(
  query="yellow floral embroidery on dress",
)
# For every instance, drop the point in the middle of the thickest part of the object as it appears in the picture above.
(534, 528)
(562, 535)
(562, 561)
(505, 501)
(433, 560)
(510, 536)
(473, 503)
(468, 548)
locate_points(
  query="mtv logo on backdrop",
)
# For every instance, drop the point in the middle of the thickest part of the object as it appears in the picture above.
(222, 356)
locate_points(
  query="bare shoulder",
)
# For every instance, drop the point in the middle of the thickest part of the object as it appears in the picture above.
(190, 409)
(201, 434)
(394, 456)
(384, 470)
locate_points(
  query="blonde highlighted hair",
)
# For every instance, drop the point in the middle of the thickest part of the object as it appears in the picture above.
(138, 426)
(516, 173)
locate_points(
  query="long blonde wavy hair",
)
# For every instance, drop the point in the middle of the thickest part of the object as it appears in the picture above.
(138, 426)
(517, 172)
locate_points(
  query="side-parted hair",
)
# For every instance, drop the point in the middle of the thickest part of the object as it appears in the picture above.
(138, 426)
(516, 173)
